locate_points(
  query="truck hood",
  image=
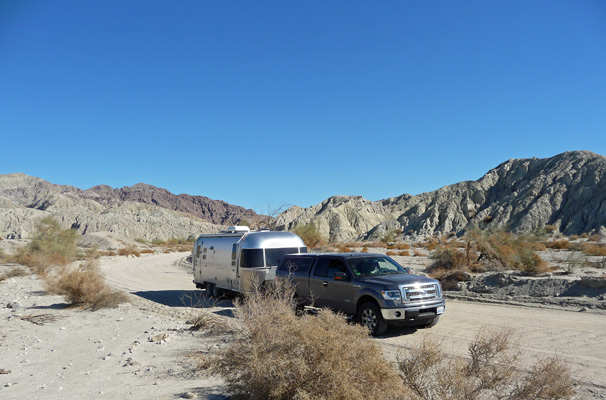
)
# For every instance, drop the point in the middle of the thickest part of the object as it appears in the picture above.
(396, 280)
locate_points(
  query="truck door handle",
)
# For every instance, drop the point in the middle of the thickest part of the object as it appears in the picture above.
(325, 283)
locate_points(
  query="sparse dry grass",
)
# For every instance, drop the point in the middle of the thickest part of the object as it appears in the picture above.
(13, 272)
(483, 250)
(83, 286)
(492, 371)
(399, 246)
(558, 244)
(593, 249)
(129, 251)
(282, 356)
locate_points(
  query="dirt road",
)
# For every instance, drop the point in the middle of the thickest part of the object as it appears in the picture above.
(578, 338)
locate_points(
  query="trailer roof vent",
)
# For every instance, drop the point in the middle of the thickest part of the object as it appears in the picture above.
(236, 229)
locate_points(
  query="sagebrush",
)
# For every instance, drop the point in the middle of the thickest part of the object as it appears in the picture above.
(83, 286)
(280, 355)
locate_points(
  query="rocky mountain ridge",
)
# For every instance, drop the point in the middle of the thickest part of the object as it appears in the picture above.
(567, 190)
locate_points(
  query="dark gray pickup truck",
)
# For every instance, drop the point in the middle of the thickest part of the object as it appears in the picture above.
(372, 287)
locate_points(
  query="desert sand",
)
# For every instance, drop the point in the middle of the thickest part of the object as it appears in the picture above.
(142, 350)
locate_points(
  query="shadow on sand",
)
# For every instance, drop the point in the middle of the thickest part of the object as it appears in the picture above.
(184, 298)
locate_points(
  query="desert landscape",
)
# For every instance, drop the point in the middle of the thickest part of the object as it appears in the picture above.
(519, 252)
(146, 349)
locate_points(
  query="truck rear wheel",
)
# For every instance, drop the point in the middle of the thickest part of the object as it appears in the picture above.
(370, 316)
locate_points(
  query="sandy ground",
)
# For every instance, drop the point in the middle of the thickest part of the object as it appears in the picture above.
(140, 350)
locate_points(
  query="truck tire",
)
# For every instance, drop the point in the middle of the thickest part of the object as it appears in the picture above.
(431, 322)
(369, 315)
(212, 290)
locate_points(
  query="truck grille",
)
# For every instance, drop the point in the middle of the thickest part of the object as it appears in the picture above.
(412, 293)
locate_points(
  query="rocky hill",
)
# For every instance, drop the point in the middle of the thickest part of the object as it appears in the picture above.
(140, 211)
(568, 191)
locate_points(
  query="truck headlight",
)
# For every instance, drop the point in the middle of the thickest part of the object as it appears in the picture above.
(393, 295)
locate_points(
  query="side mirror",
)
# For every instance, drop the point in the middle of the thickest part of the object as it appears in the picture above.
(340, 276)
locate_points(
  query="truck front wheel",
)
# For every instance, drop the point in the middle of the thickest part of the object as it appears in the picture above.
(370, 316)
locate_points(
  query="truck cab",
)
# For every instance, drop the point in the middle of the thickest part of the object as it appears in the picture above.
(372, 287)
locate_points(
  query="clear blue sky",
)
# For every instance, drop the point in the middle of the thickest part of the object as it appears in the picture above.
(258, 103)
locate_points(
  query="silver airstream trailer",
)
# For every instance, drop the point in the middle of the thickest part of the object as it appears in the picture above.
(237, 259)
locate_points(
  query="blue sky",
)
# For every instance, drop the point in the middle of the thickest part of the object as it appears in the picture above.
(262, 103)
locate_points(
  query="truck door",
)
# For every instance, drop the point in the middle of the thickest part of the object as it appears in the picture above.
(317, 280)
(337, 293)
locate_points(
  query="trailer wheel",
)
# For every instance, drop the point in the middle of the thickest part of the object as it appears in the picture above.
(208, 287)
(216, 292)
(370, 316)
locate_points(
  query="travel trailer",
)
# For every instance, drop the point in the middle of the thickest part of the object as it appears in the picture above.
(237, 259)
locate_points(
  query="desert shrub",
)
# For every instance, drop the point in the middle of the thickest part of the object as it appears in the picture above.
(417, 253)
(280, 355)
(573, 237)
(310, 234)
(404, 253)
(147, 251)
(141, 240)
(492, 371)
(50, 246)
(200, 316)
(584, 235)
(378, 244)
(448, 258)
(595, 238)
(558, 244)
(343, 249)
(593, 249)
(550, 229)
(399, 246)
(390, 253)
(83, 286)
(573, 262)
(365, 249)
(129, 251)
(389, 236)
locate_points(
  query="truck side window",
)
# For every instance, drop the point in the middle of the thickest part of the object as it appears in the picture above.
(322, 267)
(298, 265)
(336, 266)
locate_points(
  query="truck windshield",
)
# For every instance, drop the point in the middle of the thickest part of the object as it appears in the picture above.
(375, 265)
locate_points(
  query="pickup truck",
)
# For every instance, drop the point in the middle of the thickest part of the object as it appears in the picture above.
(371, 287)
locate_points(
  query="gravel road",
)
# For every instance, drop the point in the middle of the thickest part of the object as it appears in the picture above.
(578, 338)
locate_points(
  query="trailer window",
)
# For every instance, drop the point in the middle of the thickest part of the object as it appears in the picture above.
(302, 249)
(252, 258)
(273, 256)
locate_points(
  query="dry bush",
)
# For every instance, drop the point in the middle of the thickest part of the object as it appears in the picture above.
(492, 371)
(595, 238)
(344, 249)
(584, 235)
(200, 316)
(378, 244)
(593, 249)
(399, 246)
(404, 253)
(573, 237)
(310, 235)
(280, 355)
(83, 286)
(147, 251)
(365, 249)
(390, 253)
(129, 251)
(51, 246)
(417, 253)
(550, 229)
(558, 244)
